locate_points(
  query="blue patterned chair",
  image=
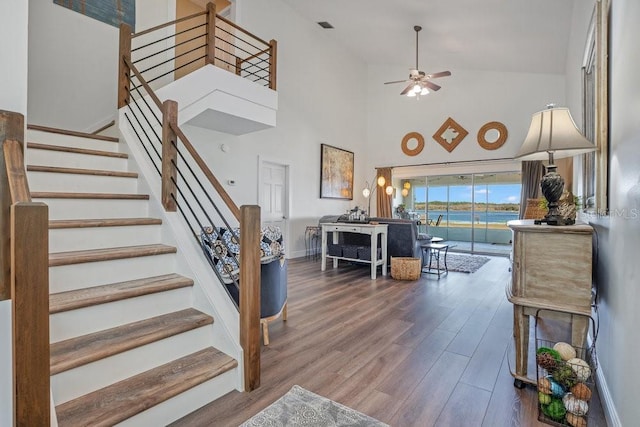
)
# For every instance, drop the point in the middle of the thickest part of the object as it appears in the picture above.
(222, 249)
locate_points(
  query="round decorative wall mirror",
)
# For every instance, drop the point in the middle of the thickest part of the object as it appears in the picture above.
(492, 135)
(419, 144)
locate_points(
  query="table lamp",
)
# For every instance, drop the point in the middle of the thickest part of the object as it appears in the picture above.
(553, 134)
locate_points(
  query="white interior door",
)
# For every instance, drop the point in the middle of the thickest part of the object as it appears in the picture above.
(274, 195)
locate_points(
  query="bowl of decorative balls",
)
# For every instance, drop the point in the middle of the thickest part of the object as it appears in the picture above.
(565, 383)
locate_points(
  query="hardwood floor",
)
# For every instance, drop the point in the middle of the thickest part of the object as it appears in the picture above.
(425, 353)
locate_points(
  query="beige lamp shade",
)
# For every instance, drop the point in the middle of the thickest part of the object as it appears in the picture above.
(553, 131)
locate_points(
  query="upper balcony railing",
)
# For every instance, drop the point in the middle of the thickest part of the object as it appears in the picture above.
(166, 52)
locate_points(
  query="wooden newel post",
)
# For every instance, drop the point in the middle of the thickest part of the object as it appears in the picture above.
(250, 294)
(11, 128)
(123, 69)
(211, 33)
(30, 307)
(273, 62)
(169, 155)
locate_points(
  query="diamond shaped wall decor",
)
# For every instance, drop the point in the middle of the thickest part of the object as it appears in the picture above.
(450, 134)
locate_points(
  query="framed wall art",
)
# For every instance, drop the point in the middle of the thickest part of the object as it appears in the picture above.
(336, 173)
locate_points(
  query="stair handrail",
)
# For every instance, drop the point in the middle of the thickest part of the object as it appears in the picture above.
(216, 42)
(248, 216)
(25, 277)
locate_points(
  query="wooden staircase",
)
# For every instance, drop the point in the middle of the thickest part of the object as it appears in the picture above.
(127, 344)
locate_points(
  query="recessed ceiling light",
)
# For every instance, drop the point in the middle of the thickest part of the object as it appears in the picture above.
(325, 25)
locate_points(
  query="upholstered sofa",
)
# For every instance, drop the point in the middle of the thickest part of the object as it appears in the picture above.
(403, 239)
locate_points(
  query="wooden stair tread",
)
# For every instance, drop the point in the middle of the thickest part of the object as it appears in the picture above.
(38, 146)
(63, 195)
(74, 352)
(71, 300)
(80, 171)
(122, 400)
(101, 222)
(72, 133)
(108, 254)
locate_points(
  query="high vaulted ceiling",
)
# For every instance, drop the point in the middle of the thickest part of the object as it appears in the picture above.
(502, 35)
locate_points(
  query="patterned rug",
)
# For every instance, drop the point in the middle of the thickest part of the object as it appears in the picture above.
(300, 407)
(465, 263)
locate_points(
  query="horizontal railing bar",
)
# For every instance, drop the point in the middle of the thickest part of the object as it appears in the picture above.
(144, 84)
(167, 24)
(236, 26)
(169, 48)
(177, 68)
(239, 38)
(232, 45)
(140, 139)
(250, 65)
(17, 177)
(224, 219)
(255, 55)
(207, 172)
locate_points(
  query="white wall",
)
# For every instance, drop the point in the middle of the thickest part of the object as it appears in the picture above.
(321, 97)
(73, 62)
(619, 235)
(471, 98)
(14, 16)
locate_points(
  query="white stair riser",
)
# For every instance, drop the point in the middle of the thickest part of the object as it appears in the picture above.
(84, 238)
(74, 160)
(84, 379)
(74, 323)
(187, 402)
(76, 276)
(77, 183)
(71, 141)
(95, 208)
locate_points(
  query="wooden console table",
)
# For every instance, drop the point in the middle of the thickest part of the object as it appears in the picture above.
(371, 229)
(551, 270)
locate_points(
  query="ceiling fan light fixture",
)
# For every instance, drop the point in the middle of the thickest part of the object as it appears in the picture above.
(417, 88)
(411, 94)
(424, 91)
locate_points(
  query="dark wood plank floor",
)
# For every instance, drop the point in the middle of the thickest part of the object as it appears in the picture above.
(422, 353)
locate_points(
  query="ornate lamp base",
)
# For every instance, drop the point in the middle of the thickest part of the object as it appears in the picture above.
(552, 186)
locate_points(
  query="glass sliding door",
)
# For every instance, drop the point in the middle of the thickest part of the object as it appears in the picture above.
(469, 211)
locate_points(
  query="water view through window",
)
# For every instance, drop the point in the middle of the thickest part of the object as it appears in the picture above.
(470, 211)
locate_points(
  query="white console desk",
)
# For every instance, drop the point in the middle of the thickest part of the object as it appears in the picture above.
(371, 229)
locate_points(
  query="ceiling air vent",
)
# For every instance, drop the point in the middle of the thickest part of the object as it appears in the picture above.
(325, 25)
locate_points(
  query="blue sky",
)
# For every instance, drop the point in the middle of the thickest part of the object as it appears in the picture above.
(496, 193)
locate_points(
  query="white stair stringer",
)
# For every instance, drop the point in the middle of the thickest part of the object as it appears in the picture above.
(77, 322)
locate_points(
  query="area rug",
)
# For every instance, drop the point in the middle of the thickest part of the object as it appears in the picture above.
(465, 263)
(300, 407)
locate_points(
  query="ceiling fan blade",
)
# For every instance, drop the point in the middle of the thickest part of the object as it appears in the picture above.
(434, 87)
(397, 81)
(440, 74)
(407, 89)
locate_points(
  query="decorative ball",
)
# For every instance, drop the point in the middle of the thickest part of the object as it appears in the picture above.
(565, 350)
(581, 391)
(550, 351)
(546, 361)
(544, 386)
(576, 420)
(557, 390)
(555, 409)
(565, 376)
(581, 368)
(575, 406)
(544, 399)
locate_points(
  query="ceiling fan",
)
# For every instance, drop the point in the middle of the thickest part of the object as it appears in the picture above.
(419, 82)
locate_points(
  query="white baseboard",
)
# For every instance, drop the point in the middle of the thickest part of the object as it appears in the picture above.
(608, 406)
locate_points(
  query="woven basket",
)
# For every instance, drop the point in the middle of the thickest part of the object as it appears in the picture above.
(406, 268)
